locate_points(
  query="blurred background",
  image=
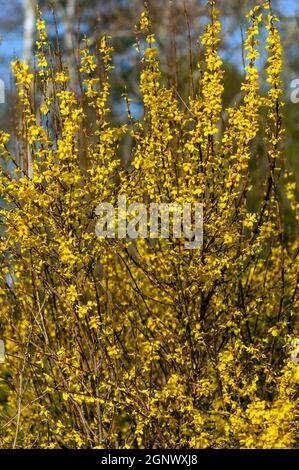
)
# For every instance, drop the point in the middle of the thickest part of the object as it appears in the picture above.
(177, 23)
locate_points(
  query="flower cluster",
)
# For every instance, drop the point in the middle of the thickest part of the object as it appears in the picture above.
(119, 343)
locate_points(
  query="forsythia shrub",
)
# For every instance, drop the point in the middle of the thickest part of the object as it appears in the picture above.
(119, 343)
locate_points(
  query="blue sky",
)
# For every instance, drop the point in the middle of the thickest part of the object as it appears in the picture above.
(289, 6)
(11, 42)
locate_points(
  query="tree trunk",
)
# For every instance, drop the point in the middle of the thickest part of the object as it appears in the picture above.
(29, 27)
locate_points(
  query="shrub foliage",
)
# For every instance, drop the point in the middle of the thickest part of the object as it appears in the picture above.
(119, 343)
